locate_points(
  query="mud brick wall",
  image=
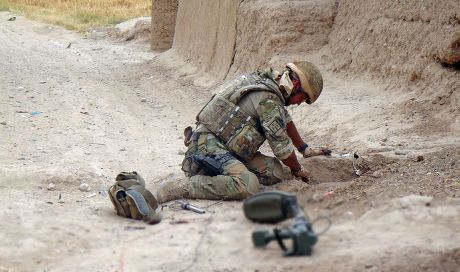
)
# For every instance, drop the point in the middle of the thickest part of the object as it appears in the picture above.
(163, 24)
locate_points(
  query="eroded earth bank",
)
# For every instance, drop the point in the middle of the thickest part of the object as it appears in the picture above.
(78, 109)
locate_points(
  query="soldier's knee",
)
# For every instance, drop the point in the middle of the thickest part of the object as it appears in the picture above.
(250, 182)
(274, 176)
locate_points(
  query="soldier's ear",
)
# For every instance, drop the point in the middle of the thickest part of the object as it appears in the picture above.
(276, 74)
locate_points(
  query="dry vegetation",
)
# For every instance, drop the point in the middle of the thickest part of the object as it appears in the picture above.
(79, 14)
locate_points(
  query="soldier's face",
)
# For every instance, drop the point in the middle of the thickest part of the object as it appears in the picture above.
(297, 98)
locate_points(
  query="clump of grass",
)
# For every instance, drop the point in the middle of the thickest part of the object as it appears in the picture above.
(79, 15)
(3, 6)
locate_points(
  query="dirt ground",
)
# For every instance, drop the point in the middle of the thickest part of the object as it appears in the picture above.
(79, 110)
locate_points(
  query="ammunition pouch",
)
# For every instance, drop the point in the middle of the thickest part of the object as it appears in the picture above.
(131, 199)
(270, 207)
(245, 142)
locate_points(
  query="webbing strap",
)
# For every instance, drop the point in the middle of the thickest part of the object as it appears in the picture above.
(139, 200)
(202, 143)
(146, 194)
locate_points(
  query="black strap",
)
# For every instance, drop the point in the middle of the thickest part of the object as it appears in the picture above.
(279, 239)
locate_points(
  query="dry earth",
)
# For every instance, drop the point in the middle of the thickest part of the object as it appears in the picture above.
(78, 110)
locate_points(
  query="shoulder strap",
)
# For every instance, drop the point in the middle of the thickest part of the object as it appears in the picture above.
(254, 82)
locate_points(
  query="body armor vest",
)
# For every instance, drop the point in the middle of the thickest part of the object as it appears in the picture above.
(242, 134)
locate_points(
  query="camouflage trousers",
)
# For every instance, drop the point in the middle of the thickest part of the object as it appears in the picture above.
(236, 180)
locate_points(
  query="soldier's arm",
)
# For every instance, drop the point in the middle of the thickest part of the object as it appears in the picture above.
(295, 137)
(274, 121)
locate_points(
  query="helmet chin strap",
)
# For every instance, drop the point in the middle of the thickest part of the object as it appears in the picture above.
(286, 83)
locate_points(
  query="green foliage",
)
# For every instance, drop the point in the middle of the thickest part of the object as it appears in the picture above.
(76, 14)
(86, 18)
(4, 6)
(113, 20)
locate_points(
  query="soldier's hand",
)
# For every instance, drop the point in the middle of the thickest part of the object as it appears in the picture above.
(301, 174)
(311, 152)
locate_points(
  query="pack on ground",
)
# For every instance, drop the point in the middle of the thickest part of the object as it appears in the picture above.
(131, 199)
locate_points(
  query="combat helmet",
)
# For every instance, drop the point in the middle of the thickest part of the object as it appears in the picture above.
(310, 78)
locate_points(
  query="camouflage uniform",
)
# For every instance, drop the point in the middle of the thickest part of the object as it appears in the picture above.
(260, 104)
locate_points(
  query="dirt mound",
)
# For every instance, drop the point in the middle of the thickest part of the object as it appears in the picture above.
(136, 30)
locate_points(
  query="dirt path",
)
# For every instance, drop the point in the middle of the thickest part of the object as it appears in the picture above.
(76, 110)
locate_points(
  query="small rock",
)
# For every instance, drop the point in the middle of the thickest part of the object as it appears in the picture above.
(143, 100)
(3, 123)
(84, 187)
(419, 158)
(401, 152)
(51, 187)
(42, 82)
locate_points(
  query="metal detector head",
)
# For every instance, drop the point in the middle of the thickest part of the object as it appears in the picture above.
(270, 207)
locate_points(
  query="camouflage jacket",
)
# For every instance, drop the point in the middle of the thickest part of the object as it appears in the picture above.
(247, 111)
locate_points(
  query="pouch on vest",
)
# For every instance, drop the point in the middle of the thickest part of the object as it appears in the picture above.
(270, 207)
(131, 199)
(246, 142)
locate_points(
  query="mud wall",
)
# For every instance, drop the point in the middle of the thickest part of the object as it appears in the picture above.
(272, 32)
(205, 34)
(403, 42)
(412, 45)
(163, 24)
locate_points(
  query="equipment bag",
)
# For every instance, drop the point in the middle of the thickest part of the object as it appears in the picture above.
(131, 199)
(270, 207)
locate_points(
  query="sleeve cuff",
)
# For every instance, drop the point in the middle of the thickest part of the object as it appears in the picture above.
(302, 148)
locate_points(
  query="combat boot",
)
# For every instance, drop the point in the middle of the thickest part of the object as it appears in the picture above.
(172, 188)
